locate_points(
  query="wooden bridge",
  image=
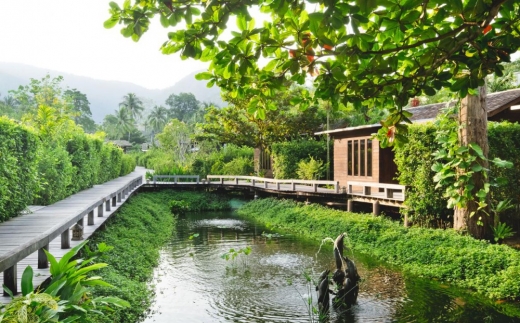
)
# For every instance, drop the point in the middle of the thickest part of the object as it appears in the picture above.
(23, 238)
(356, 191)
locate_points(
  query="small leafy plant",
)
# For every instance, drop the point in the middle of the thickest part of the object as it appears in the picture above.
(67, 297)
(502, 231)
(233, 254)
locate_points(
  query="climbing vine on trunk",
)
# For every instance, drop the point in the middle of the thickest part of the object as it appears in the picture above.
(457, 166)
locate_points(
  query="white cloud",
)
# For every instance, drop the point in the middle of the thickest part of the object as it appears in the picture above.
(68, 36)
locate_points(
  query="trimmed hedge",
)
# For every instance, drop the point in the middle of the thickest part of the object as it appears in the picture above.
(425, 204)
(488, 269)
(19, 148)
(287, 155)
(33, 171)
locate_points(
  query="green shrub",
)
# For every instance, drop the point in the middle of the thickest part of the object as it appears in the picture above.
(128, 165)
(80, 149)
(239, 166)
(18, 168)
(311, 169)
(287, 155)
(230, 160)
(488, 269)
(200, 201)
(56, 174)
(425, 205)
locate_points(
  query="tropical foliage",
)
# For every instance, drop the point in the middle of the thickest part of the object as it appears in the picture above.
(364, 52)
(67, 296)
(426, 205)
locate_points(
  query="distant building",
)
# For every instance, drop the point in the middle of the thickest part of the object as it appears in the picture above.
(123, 144)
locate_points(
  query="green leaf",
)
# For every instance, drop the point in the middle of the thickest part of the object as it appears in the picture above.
(241, 22)
(203, 76)
(271, 65)
(111, 22)
(164, 21)
(437, 167)
(27, 281)
(502, 163)
(114, 5)
(476, 167)
(476, 148)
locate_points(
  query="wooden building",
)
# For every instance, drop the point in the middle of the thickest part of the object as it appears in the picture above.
(359, 158)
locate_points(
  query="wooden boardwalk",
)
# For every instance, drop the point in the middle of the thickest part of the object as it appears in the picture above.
(23, 237)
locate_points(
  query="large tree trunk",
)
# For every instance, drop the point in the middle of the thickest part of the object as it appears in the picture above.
(473, 121)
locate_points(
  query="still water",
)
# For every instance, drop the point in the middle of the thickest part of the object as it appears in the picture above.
(193, 283)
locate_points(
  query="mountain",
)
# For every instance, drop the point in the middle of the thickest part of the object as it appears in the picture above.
(104, 96)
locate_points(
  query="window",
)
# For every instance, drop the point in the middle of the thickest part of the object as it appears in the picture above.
(359, 157)
(369, 157)
(349, 157)
(362, 157)
(355, 158)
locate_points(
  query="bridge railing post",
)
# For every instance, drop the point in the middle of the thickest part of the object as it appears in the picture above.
(10, 280)
(253, 181)
(65, 239)
(43, 262)
(293, 186)
(236, 180)
(90, 218)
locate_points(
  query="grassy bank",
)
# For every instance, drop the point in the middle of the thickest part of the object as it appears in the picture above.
(137, 232)
(487, 269)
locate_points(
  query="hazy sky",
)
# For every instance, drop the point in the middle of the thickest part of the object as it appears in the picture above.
(68, 36)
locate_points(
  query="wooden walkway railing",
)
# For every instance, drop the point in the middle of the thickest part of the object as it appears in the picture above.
(277, 184)
(379, 190)
(29, 234)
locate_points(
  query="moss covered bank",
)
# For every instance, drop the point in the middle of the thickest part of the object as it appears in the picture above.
(487, 269)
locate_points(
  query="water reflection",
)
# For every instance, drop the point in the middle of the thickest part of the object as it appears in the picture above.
(194, 284)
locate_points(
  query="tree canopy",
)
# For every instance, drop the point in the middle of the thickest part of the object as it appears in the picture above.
(183, 106)
(234, 125)
(366, 52)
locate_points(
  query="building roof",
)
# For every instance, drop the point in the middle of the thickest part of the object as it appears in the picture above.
(496, 103)
(121, 143)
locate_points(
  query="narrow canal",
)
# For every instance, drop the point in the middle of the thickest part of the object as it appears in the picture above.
(195, 283)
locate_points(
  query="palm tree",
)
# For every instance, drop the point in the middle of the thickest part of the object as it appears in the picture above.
(133, 105)
(123, 122)
(8, 105)
(157, 119)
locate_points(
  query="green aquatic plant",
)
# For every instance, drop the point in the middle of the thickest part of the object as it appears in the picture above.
(234, 254)
(193, 236)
